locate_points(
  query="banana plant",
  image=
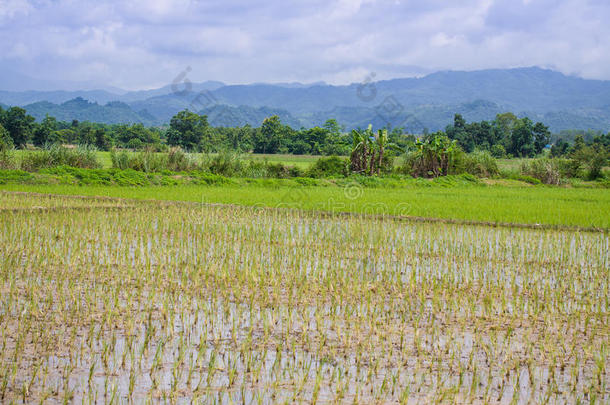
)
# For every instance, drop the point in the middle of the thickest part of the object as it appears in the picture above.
(368, 150)
(382, 142)
(434, 155)
(361, 149)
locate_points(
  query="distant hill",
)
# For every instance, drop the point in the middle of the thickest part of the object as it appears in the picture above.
(57, 97)
(194, 88)
(225, 116)
(79, 109)
(560, 101)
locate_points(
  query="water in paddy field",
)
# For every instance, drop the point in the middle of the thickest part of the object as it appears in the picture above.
(166, 302)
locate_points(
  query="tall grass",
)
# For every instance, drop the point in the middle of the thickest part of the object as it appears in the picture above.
(546, 170)
(148, 161)
(57, 155)
(8, 159)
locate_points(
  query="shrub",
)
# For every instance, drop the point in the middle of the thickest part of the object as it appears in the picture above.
(130, 177)
(498, 151)
(226, 163)
(81, 176)
(257, 169)
(295, 171)
(333, 166)
(456, 180)
(593, 159)
(478, 163)
(15, 176)
(568, 168)
(545, 170)
(278, 171)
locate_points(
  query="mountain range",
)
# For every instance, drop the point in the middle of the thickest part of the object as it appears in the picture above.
(560, 101)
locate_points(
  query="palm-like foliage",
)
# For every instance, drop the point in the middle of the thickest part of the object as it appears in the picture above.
(433, 156)
(368, 150)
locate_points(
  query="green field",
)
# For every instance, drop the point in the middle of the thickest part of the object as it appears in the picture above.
(352, 290)
(516, 204)
(127, 301)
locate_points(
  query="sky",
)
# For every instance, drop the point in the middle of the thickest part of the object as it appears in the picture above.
(144, 44)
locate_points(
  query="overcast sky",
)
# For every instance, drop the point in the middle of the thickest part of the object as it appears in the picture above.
(146, 43)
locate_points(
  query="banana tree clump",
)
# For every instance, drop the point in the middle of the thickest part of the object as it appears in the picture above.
(433, 156)
(368, 150)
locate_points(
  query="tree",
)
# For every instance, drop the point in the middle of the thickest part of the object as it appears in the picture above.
(333, 127)
(188, 130)
(43, 132)
(593, 158)
(579, 144)
(504, 124)
(521, 141)
(86, 134)
(102, 140)
(560, 148)
(542, 136)
(19, 125)
(6, 142)
(271, 136)
(315, 137)
(459, 132)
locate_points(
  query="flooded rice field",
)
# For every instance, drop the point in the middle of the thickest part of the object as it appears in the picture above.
(112, 301)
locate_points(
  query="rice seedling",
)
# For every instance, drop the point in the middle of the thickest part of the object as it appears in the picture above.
(134, 301)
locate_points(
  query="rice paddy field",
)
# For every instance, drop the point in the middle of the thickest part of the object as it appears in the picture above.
(107, 300)
(515, 204)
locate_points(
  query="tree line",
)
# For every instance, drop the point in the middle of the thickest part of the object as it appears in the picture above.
(505, 136)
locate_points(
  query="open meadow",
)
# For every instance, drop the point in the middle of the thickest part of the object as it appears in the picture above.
(118, 300)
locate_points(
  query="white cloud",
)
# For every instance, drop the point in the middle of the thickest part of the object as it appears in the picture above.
(12, 8)
(143, 43)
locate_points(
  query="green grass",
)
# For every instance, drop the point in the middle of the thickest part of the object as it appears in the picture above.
(511, 164)
(104, 158)
(301, 161)
(527, 205)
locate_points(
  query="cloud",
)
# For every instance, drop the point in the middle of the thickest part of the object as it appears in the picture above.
(146, 43)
